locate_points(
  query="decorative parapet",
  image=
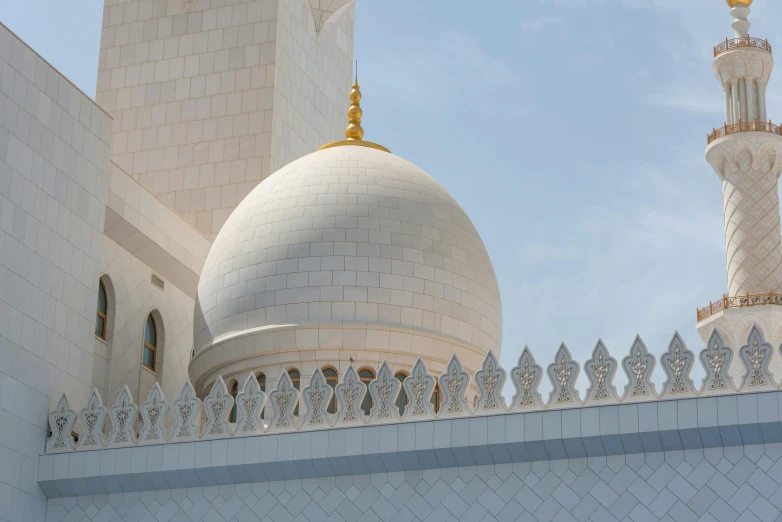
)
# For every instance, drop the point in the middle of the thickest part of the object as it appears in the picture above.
(744, 41)
(739, 301)
(280, 413)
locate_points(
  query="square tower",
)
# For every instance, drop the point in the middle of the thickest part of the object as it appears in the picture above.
(209, 97)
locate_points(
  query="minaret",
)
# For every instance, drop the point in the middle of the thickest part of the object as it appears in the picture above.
(746, 153)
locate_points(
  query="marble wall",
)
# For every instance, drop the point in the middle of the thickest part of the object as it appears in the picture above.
(725, 484)
(54, 160)
(210, 97)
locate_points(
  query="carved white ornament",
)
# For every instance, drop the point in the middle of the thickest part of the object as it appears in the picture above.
(419, 386)
(677, 364)
(123, 416)
(217, 405)
(249, 403)
(384, 390)
(563, 373)
(526, 379)
(185, 409)
(153, 414)
(92, 418)
(282, 402)
(716, 358)
(453, 386)
(350, 393)
(315, 399)
(756, 355)
(490, 379)
(638, 367)
(61, 422)
(600, 370)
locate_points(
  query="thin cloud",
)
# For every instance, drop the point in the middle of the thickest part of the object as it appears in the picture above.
(543, 24)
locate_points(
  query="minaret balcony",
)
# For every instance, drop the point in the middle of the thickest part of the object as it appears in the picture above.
(744, 41)
(743, 126)
(738, 301)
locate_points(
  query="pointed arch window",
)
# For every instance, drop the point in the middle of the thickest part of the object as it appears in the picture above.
(331, 379)
(436, 398)
(150, 343)
(261, 378)
(101, 314)
(295, 376)
(234, 393)
(366, 375)
(401, 400)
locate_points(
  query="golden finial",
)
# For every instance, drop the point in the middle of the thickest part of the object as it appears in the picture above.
(354, 134)
(354, 130)
(734, 3)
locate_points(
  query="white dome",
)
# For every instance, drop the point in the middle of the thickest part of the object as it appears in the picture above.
(348, 237)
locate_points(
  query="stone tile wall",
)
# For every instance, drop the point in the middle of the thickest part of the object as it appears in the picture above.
(725, 484)
(54, 160)
(209, 97)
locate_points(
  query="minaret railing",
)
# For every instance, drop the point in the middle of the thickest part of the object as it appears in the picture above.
(744, 41)
(739, 301)
(743, 126)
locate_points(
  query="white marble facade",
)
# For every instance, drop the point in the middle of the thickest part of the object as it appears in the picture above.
(715, 484)
(342, 258)
(54, 163)
(210, 97)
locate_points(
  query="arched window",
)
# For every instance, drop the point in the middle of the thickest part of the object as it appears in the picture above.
(100, 315)
(366, 375)
(401, 399)
(331, 379)
(234, 393)
(150, 343)
(261, 378)
(295, 376)
(436, 397)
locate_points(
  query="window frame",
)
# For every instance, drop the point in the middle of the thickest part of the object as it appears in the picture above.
(153, 349)
(233, 393)
(335, 380)
(296, 386)
(366, 382)
(98, 313)
(258, 376)
(402, 390)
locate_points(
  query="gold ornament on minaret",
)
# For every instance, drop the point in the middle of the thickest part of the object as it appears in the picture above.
(734, 3)
(354, 134)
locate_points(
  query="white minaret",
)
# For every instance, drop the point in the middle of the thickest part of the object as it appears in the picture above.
(743, 152)
(746, 153)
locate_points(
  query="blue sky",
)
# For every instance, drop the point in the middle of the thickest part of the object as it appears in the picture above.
(571, 131)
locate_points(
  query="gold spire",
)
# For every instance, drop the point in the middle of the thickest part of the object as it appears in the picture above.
(354, 130)
(354, 134)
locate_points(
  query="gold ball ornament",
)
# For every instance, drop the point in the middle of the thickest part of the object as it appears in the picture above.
(734, 3)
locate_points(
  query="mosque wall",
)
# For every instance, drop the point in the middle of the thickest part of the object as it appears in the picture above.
(209, 98)
(132, 298)
(726, 484)
(143, 240)
(54, 162)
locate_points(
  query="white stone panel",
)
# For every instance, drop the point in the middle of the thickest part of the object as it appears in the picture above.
(209, 98)
(54, 161)
(726, 484)
(133, 298)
